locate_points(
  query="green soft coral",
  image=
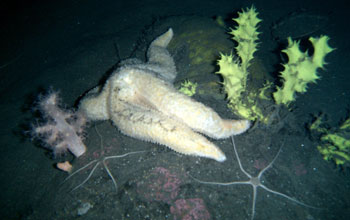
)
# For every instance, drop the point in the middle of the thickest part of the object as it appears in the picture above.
(234, 69)
(188, 88)
(301, 68)
(246, 35)
(234, 78)
(335, 142)
(335, 147)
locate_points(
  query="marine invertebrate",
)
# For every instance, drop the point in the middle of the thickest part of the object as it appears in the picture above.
(255, 182)
(300, 70)
(188, 88)
(234, 69)
(141, 101)
(63, 129)
(334, 142)
(101, 160)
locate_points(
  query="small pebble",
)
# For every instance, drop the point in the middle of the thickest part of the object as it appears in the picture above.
(84, 208)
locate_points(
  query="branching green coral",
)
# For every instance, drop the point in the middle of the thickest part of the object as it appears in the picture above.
(335, 147)
(235, 69)
(298, 72)
(335, 143)
(301, 68)
(188, 88)
(345, 125)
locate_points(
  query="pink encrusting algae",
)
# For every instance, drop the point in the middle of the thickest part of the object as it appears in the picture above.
(160, 185)
(190, 209)
(163, 185)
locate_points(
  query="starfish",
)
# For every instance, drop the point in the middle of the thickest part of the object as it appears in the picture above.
(142, 102)
(255, 182)
(102, 160)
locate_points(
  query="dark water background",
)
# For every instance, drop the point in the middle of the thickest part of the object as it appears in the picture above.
(71, 45)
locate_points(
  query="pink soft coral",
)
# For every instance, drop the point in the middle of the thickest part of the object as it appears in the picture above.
(63, 129)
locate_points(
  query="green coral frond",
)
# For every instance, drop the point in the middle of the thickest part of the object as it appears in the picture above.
(246, 35)
(188, 88)
(301, 68)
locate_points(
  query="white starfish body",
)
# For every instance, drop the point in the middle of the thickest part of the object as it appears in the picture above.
(141, 101)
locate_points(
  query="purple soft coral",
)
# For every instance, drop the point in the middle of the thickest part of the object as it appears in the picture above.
(63, 129)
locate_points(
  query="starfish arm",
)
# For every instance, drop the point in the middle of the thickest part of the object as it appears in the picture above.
(255, 192)
(198, 116)
(220, 183)
(159, 59)
(287, 197)
(239, 160)
(94, 104)
(271, 163)
(144, 89)
(110, 175)
(151, 125)
(87, 178)
(77, 171)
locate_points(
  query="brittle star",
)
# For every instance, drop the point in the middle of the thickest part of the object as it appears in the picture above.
(98, 162)
(254, 181)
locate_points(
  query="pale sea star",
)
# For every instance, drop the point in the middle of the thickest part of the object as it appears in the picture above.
(141, 101)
